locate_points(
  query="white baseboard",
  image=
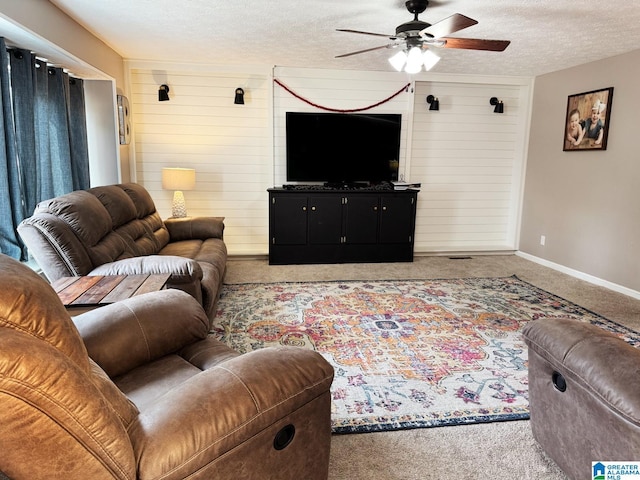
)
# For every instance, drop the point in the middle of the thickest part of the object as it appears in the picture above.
(581, 275)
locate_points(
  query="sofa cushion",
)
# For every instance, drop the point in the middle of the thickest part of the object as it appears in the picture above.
(147, 213)
(122, 406)
(83, 213)
(155, 227)
(137, 232)
(140, 197)
(58, 251)
(118, 204)
(86, 218)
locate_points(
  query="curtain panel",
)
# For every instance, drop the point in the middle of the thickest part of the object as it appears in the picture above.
(44, 136)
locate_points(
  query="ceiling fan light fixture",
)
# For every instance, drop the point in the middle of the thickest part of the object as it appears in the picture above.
(417, 35)
(398, 60)
(429, 59)
(414, 60)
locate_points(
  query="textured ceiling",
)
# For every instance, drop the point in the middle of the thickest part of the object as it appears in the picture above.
(546, 35)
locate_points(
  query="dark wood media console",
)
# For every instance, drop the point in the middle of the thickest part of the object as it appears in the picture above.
(341, 226)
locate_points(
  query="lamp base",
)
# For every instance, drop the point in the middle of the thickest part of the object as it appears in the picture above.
(178, 208)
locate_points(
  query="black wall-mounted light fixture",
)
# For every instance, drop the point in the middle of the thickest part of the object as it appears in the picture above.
(163, 93)
(499, 106)
(434, 103)
(239, 100)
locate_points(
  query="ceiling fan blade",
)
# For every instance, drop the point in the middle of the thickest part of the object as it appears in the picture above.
(476, 44)
(364, 33)
(449, 25)
(362, 51)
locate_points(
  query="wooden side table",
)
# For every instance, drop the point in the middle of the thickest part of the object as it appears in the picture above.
(80, 294)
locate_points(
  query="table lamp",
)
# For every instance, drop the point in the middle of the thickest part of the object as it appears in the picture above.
(178, 180)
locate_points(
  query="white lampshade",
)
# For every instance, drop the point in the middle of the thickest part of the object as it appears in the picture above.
(414, 60)
(398, 60)
(429, 59)
(178, 179)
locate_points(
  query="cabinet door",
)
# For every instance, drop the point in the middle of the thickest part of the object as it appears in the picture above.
(325, 219)
(289, 220)
(396, 219)
(361, 219)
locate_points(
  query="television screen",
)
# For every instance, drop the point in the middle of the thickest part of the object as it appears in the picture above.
(342, 148)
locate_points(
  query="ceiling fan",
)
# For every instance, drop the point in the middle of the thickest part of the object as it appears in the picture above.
(417, 36)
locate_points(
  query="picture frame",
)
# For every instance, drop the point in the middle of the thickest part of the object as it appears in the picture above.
(587, 118)
(124, 122)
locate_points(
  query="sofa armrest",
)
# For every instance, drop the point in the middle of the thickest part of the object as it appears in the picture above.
(124, 335)
(186, 273)
(599, 362)
(220, 408)
(190, 228)
(182, 270)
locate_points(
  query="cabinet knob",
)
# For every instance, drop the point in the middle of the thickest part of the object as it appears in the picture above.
(384, 209)
(313, 208)
(375, 209)
(304, 209)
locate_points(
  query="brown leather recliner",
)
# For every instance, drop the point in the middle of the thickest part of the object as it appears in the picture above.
(138, 389)
(116, 230)
(584, 394)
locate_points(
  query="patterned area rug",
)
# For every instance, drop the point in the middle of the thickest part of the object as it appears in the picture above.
(407, 354)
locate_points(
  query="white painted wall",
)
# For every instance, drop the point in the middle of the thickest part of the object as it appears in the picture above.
(586, 203)
(102, 132)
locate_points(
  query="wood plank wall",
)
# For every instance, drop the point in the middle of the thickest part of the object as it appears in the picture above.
(228, 145)
(469, 160)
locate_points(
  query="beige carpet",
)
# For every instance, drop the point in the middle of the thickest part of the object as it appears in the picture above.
(496, 450)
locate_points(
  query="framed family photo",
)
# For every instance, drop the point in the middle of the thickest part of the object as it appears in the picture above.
(587, 120)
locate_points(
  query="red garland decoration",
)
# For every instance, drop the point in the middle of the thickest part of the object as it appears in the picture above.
(337, 109)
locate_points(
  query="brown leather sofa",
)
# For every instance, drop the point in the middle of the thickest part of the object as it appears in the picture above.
(137, 390)
(584, 394)
(116, 230)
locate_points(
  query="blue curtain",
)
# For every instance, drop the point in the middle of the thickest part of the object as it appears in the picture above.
(11, 206)
(45, 139)
(23, 112)
(78, 135)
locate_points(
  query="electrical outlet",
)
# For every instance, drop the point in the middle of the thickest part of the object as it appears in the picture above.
(543, 240)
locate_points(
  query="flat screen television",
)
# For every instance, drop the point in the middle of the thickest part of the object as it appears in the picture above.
(341, 148)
